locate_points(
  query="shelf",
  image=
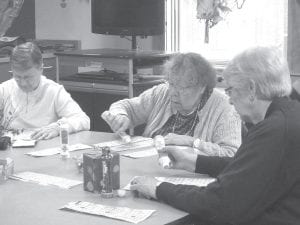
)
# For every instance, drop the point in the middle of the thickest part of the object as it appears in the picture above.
(95, 91)
(113, 89)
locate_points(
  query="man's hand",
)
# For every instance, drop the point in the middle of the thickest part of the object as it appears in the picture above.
(45, 133)
(183, 158)
(176, 139)
(145, 186)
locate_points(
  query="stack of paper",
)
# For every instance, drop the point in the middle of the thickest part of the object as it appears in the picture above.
(120, 213)
(22, 140)
(19, 143)
(25, 135)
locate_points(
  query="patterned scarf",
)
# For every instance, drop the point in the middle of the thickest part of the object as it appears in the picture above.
(184, 124)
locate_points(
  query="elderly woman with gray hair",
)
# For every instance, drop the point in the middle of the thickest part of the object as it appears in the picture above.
(187, 110)
(261, 184)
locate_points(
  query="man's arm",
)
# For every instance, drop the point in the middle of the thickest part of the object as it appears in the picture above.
(69, 111)
(211, 165)
(243, 190)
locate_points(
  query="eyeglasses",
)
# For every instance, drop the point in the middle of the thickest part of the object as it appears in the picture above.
(228, 91)
(182, 90)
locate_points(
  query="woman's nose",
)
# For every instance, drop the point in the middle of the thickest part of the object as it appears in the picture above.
(173, 92)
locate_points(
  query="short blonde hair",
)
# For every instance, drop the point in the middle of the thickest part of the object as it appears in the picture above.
(26, 56)
(266, 67)
(191, 69)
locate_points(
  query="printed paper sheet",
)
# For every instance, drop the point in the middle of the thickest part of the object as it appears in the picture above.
(120, 213)
(141, 154)
(137, 143)
(196, 181)
(200, 182)
(56, 150)
(44, 179)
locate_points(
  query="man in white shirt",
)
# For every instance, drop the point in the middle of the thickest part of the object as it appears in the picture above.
(31, 101)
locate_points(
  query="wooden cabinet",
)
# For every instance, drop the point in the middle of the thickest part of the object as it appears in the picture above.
(95, 95)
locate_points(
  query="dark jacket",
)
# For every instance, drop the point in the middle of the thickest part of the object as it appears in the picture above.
(295, 95)
(259, 186)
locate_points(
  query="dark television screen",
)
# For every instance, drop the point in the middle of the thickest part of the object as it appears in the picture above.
(128, 17)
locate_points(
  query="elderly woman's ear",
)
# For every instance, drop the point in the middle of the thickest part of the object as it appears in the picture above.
(252, 90)
(249, 89)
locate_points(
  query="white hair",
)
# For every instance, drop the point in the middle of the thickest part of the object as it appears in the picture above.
(191, 69)
(266, 67)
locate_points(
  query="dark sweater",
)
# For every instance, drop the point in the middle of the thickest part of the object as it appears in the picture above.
(259, 186)
(295, 95)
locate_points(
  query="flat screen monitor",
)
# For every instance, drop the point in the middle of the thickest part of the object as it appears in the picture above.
(128, 17)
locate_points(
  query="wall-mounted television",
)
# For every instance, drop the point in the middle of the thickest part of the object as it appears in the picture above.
(128, 17)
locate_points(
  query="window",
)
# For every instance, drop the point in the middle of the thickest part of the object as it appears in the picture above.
(258, 22)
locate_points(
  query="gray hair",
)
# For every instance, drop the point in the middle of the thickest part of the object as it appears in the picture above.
(191, 69)
(26, 56)
(266, 67)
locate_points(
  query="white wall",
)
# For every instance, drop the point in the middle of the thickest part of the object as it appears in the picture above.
(74, 22)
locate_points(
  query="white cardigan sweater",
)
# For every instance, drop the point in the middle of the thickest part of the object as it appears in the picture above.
(219, 124)
(48, 104)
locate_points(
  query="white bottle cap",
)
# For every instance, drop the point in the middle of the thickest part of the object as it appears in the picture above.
(121, 193)
(159, 143)
(165, 162)
(105, 115)
(125, 137)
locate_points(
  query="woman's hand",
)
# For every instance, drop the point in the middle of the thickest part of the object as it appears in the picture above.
(145, 186)
(176, 139)
(45, 133)
(183, 158)
(118, 123)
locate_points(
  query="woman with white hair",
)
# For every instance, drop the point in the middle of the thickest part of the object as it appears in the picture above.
(187, 110)
(261, 184)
